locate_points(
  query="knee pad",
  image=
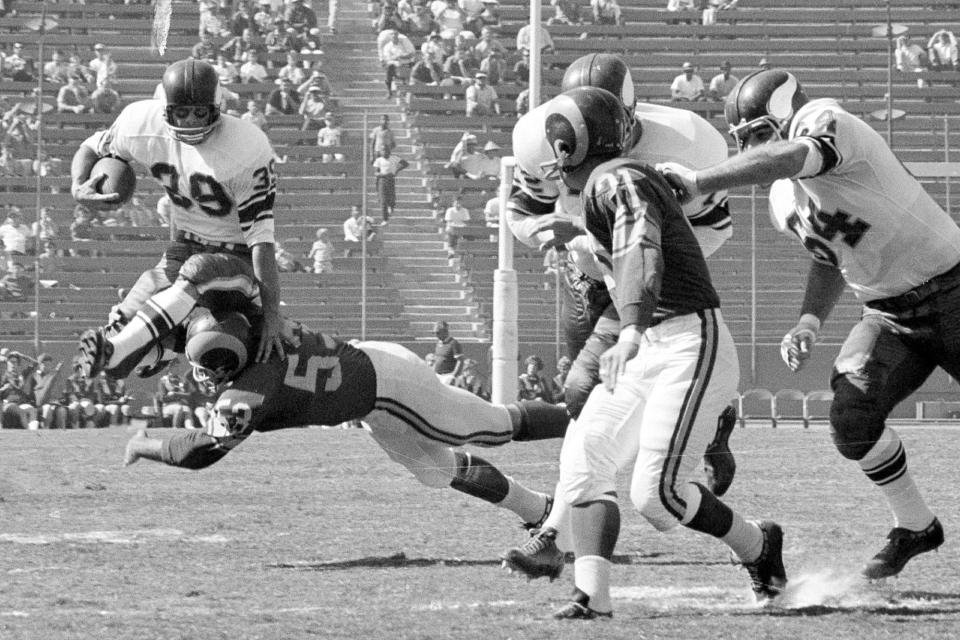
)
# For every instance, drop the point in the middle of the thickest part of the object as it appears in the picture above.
(219, 271)
(855, 425)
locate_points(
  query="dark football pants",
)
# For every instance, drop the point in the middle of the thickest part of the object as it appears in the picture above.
(889, 354)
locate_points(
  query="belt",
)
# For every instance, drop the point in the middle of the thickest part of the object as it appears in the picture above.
(910, 299)
(186, 236)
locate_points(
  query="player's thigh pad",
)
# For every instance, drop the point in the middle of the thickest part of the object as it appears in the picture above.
(219, 271)
(409, 390)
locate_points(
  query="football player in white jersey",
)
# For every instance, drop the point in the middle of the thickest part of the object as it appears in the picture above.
(869, 225)
(543, 212)
(672, 369)
(218, 172)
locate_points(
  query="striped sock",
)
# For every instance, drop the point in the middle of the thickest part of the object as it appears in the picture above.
(886, 465)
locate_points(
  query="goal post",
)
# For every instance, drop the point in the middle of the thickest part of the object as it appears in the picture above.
(505, 347)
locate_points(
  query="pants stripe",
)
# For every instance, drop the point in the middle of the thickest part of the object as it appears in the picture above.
(422, 426)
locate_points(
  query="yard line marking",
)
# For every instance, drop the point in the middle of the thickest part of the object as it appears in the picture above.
(110, 537)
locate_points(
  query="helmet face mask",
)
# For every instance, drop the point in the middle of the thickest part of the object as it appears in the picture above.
(761, 107)
(192, 92)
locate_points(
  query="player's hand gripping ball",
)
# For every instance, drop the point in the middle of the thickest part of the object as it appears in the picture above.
(119, 177)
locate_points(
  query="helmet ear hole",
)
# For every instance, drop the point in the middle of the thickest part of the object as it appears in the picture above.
(218, 347)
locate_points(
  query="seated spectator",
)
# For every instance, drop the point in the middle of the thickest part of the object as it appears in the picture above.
(455, 218)
(606, 12)
(46, 227)
(112, 401)
(491, 13)
(255, 115)
(313, 108)
(491, 212)
(433, 50)
(386, 167)
(522, 103)
(237, 48)
(77, 67)
(164, 210)
(140, 214)
(396, 57)
(942, 51)
(353, 229)
(105, 98)
(103, 65)
(521, 71)
(18, 411)
(723, 83)
(81, 229)
(533, 385)
(481, 98)
(284, 100)
(565, 12)
(15, 236)
(490, 165)
(14, 285)
(468, 161)
(321, 252)
(206, 49)
(293, 69)
(910, 58)
(252, 70)
(282, 38)
(450, 18)
(389, 20)
(226, 70)
(419, 24)
(264, 17)
(214, 18)
(317, 79)
(299, 16)
(470, 379)
(495, 68)
(330, 135)
(425, 72)
(688, 86)
(711, 12)
(172, 403)
(241, 18)
(58, 69)
(487, 44)
(73, 97)
(15, 66)
(286, 261)
(559, 380)
(81, 398)
(42, 383)
(525, 33)
(460, 68)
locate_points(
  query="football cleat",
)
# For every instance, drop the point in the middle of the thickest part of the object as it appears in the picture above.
(538, 557)
(902, 545)
(767, 573)
(94, 352)
(719, 465)
(579, 609)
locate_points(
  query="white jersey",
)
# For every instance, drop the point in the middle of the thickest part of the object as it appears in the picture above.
(667, 134)
(222, 189)
(855, 206)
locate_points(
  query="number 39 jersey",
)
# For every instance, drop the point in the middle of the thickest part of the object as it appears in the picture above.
(223, 188)
(860, 209)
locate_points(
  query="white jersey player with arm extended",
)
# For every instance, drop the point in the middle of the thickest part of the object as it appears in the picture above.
(868, 223)
(218, 172)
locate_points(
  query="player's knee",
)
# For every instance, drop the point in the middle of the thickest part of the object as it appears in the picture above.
(855, 427)
(202, 268)
(646, 498)
(576, 390)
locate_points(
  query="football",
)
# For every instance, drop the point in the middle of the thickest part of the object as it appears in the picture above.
(120, 179)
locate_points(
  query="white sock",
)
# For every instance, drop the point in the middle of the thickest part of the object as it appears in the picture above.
(560, 521)
(592, 576)
(174, 305)
(529, 505)
(886, 465)
(745, 538)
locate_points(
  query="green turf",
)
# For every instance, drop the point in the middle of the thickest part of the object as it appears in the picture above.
(317, 534)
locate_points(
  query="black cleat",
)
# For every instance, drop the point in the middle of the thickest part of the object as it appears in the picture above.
(767, 573)
(719, 465)
(538, 557)
(93, 352)
(903, 544)
(579, 609)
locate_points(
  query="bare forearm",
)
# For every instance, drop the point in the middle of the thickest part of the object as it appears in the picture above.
(760, 165)
(83, 161)
(265, 268)
(825, 285)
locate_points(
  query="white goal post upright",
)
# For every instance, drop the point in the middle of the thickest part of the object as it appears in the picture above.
(505, 347)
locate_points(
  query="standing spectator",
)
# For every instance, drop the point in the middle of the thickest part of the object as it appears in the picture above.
(396, 57)
(481, 98)
(387, 166)
(105, 98)
(942, 51)
(565, 12)
(353, 229)
(102, 65)
(382, 137)
(684, 6)
(321, 252)
(73, 97)
(723, 83)
(471, 380)
(227, 72)
(331, 135)
(284, 100)
(910, 58)
(606, 12)
(252, 70)
(14, 236)
(533, 385)
(58, 69)
(455, 218)
(447, 353)
(524, 35)
(255, 115)
(688, 86)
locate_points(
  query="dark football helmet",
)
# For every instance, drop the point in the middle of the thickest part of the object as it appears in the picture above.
(218, 346)
(584, 127)
(605, 70)
(762, 105)
(191, 86)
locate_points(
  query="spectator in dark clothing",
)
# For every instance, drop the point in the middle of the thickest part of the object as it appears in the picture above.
(447, 351)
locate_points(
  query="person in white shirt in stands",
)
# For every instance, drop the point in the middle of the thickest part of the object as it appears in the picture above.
(723, 83)
(455, 218)
(481, 98)
(387, 166)
(942, 51)
(910, 58)
(353, 230)
(331, 135)
(688, 86)
(524, 36)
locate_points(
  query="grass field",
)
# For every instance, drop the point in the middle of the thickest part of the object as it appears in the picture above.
(316, 534)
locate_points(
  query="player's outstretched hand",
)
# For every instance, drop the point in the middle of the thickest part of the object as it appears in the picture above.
(88, 194)
(682, 179)
(614, 361)
(563, 228)
(271, 338)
